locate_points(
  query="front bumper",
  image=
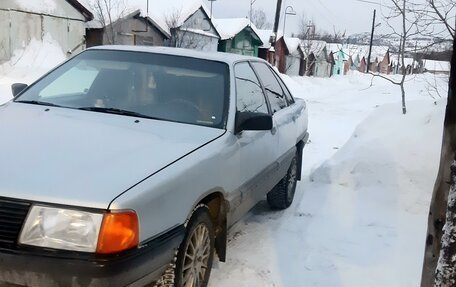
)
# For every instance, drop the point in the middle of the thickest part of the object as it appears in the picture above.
(133, 268)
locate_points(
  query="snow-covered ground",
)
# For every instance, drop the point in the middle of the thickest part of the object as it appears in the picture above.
(359, 218)
(359, 215)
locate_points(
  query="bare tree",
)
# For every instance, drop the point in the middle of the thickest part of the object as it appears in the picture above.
(442, 12)
(402, 10)
(260, 20)
(438, 21)
(439, 267)
(106, 12)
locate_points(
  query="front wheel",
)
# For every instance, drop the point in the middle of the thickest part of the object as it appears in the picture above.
(281, 196)
(196, 253)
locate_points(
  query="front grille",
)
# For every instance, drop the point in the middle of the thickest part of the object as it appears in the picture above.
(12, 217)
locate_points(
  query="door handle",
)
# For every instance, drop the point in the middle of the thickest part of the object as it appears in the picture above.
(274, 130)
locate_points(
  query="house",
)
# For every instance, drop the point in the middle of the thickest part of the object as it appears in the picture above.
(135, 28)
(384, 66)
(380, 61)
(362, 66)
(289, 56)
(189, 23)
(61, 20)
(318, 61)
(238, 36)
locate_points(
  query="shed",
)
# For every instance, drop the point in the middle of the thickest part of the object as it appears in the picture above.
(289, 55)
(318, 61)
(189, 23)
(238, 36)
(22, 20)
(135, 28)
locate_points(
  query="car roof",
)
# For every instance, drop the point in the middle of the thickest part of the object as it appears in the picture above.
(228, 58)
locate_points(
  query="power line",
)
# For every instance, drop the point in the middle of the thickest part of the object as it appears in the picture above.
(370, 2)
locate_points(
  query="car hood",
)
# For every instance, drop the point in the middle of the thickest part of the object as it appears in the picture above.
(82, 158)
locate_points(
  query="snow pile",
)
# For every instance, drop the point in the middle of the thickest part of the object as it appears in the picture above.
(29, 64)
(42, 6)
(373, 197)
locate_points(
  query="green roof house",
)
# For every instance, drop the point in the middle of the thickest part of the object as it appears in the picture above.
(238, 36)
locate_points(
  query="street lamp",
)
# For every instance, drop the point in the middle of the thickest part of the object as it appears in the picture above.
(292, 12)
(251, 9)
(212, 2)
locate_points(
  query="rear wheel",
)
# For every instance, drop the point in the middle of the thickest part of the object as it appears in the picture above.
(196, 253)
(281, 196)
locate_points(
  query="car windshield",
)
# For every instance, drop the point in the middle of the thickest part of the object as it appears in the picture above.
(164, 87)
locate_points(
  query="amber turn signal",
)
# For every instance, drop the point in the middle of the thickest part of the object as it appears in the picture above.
(119, 232)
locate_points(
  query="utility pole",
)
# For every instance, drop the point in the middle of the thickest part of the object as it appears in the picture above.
(399, 56)
(372, 39)
(273, 38)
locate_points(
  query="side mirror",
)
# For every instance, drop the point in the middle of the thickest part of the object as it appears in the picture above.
(17, 88)
(248, 121)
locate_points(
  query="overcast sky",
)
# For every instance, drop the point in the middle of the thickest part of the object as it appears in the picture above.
(352, 16)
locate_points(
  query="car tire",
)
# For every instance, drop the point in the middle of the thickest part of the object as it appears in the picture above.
(281, 196)
(196, 253)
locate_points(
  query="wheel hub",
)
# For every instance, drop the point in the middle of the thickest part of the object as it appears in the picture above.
(196, 257)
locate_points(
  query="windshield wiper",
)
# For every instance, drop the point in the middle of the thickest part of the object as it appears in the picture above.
(117, 112)
(33, 102)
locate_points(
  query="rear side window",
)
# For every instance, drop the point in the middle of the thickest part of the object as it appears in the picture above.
(287, 93)
(249, 94)
(273, 89)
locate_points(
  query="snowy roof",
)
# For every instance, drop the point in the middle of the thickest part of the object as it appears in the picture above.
(265, 35)
(230, 27)
(180, 9)
(438, 66)
(293, 44)
(94, 24)
(333, 47)
(50, 6)
(313, 46)
(378, 52)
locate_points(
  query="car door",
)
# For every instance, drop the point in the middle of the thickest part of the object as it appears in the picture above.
(256, 159)
(284, 131)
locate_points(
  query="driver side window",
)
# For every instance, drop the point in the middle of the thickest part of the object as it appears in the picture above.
(249, 94)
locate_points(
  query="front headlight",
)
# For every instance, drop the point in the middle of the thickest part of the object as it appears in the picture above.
(61, 229)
